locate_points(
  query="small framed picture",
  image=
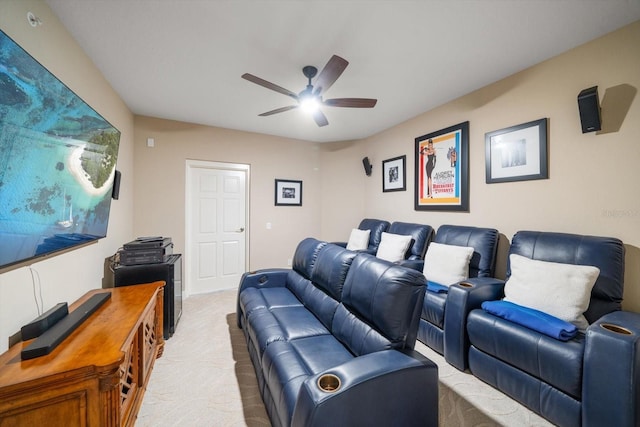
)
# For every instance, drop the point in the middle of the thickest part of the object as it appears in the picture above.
(288, 192)
(517, 153)
(393, 175)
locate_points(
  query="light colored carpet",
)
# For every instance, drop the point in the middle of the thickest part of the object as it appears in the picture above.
(205, 378)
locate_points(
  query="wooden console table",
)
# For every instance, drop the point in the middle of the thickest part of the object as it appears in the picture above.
(97, 376)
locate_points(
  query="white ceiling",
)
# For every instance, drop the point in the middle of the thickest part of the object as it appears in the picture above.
(182, 59)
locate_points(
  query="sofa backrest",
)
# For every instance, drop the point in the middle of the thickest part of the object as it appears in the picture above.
(377, 227)
(318, 276)
(484, 242)
(606, 253)
(304, 258)
(421, 236)
(380, 306)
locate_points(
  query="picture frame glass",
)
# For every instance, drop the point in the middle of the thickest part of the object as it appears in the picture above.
(517, 153)
(442, 169)
(288, 192)
(393, 174)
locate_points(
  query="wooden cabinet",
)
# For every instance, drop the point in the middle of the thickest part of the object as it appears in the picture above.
(97, 375)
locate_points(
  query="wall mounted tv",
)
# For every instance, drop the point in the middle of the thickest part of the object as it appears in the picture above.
(57, 162)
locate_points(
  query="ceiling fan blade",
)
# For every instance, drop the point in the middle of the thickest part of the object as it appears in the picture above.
(351, 102)
(320, 118)
(278, 110)
(269, 85)
(330, 74)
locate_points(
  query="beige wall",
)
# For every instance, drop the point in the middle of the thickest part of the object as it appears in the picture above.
(66, 277)
(160, 183)
(590, 190)
(593, 178)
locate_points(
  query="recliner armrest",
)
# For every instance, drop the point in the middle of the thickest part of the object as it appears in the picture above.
(461, 299)
(388, 387)
(611, 371)
(415, 264)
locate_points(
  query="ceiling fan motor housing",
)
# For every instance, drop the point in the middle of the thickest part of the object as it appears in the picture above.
(309, 71)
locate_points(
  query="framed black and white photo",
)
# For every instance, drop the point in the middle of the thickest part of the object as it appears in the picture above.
(517, 153)
(288, 192)
(393, 174)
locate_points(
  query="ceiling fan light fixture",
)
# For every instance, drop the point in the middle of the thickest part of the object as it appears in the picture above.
(309, 104)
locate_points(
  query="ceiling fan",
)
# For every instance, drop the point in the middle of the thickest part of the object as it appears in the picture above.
(310, 99)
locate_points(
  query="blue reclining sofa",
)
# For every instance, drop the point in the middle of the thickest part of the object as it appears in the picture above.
(590, 379)
(331, 340)
(444, 314)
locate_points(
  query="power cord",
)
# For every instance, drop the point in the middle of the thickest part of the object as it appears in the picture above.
(37, 289)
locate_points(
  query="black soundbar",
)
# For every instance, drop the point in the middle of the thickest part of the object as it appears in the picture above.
(42, 323)
(48, 341)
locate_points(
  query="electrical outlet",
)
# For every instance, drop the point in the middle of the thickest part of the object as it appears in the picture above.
(289, 261)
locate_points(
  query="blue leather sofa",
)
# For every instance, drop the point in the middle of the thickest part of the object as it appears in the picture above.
(592, 379)
(443, 318)
(331, 340)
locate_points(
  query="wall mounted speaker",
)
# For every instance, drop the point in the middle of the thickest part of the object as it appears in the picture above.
(589, 107)
(115, 191)
(367, 166)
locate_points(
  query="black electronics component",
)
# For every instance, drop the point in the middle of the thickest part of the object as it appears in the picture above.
(49, 340)
(42, 323)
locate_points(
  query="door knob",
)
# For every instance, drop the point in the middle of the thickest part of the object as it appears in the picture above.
(240, 230)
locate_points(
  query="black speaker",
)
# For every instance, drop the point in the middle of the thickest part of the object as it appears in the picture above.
(367, 166)
(589, 107)
(115, 191)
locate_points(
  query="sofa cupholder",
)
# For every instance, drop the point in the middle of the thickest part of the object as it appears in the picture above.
(466, 284)
(615, 328)
(329, 383)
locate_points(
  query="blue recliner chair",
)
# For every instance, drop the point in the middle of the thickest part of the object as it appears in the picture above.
(592, 379)
(377, 227)
(443, 319)
(421, 236)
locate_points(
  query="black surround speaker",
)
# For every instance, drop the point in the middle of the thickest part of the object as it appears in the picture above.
(589, 106)
(115, 192)
(367, 166)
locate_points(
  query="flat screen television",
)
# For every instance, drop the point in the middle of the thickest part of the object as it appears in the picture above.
(57, 162)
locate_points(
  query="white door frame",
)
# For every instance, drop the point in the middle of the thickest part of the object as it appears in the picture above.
(205, 164)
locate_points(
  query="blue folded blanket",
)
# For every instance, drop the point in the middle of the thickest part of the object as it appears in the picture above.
(437, 288)
(532, 319)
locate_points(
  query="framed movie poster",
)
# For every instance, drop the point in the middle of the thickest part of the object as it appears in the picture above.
(288, 192)
(442, 170)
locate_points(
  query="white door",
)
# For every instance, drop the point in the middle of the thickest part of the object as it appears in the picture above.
(216, 225)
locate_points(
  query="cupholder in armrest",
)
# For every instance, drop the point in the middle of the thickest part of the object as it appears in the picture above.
(465, 284)
(329, 383)
(615, 328)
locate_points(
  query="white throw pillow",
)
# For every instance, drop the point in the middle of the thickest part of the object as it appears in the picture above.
(393, 247)
(561, 290)
(447, 264)
(358, 240)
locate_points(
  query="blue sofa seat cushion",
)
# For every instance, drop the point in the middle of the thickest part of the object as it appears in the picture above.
(253, 299)
(557, 363)
(287, 364)
(433, 307)
(282, 324)
(532, 319)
